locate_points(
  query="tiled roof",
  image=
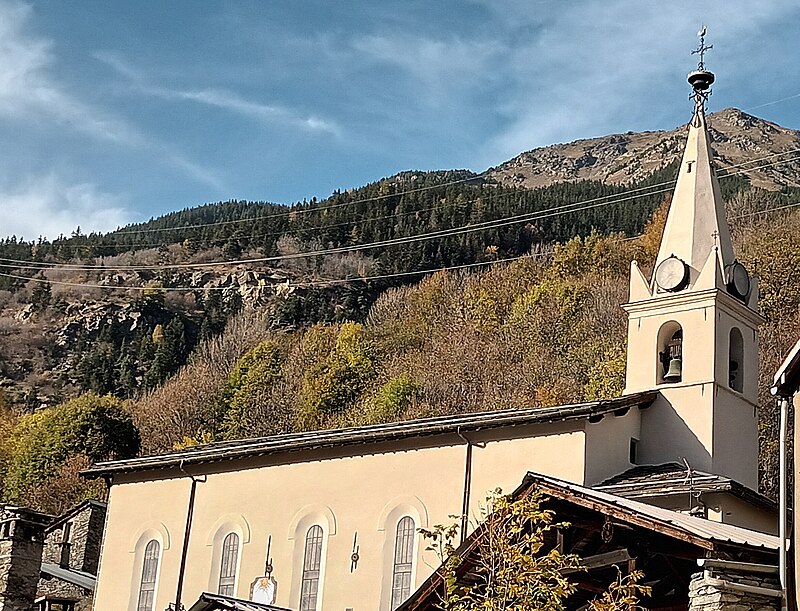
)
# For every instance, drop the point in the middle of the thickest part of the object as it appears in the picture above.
(424, 427)
(218, 602)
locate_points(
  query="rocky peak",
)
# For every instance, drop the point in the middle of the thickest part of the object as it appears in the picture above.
(738, 139)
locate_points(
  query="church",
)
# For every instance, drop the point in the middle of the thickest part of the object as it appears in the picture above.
(329, 519)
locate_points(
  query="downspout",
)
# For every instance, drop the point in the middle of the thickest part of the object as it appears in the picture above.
(187, 532)
(467, 483)
(782, 494)
(467, 487)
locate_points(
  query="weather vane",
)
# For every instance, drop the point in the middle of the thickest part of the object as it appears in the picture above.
(701, 50)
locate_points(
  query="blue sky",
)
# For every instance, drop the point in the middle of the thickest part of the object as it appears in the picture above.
(112, 112)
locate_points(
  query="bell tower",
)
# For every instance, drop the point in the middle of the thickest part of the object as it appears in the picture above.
(693, 327)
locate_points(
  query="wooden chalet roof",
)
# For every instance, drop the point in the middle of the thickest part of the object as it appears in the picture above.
(664, 544)
(218, 602)
(424, 427)
(699, 531)
(646, 481)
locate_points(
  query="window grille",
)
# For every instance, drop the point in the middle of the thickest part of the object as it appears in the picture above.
(403, 561)
(312, 561)
(227, 571)
(147, 586)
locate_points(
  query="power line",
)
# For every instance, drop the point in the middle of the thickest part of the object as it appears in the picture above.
(411, 212)
(443, 233)
(342, 280)
(450, 232)
(308, 210)
(526, 217)
(484, 198)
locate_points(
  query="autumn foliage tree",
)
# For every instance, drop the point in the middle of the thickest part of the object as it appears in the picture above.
(92, 427)
(511, 566)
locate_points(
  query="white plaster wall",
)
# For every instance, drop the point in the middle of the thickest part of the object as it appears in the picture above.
(345, 494)
(608, 445)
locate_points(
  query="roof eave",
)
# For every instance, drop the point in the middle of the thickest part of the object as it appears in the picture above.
(372, 434)
(787, 379)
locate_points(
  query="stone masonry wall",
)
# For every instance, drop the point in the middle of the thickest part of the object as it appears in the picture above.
(21, 542)
(707, 595)
(63, 589)
(85, 538)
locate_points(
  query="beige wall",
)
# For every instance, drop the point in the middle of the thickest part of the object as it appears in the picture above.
(608, 445)
(722, 507)
(700, 418)
(344, 492)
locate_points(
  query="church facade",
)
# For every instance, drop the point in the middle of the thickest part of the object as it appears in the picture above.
(328, 520)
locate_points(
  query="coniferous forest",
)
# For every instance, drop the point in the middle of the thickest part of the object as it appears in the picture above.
(111, 348)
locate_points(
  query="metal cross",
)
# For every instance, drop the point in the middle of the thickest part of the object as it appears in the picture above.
(715, 235)
(702, 49)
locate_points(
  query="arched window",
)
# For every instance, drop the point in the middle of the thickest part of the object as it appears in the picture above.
(403, 561)
(147, 586)
(670, 353)
(736, 361)
(312, 562)
(227, 570)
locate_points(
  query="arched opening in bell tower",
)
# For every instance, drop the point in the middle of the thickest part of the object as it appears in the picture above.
(736, 360)
(669, 368)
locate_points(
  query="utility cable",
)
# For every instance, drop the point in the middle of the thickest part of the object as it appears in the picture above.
(342, 280)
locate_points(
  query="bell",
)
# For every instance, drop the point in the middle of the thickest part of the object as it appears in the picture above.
(674, 372)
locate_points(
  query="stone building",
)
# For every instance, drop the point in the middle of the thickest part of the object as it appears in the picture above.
(50, 564)
(70, 559)
(21, 544)
(329, 519)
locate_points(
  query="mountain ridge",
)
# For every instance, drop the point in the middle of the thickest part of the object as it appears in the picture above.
(737, 138)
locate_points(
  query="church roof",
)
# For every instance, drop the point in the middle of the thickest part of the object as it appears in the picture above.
(424, 427)
(645, 481)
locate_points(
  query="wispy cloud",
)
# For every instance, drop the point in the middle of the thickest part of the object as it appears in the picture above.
(220, 98)
(29, 91)
(588, 63)
(49, 206)
(439, 68)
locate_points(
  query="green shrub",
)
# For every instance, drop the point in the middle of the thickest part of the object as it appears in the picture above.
(393, 399)
(97, 427)
(337, 382)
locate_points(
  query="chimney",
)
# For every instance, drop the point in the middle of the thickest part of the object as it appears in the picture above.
(21, 545)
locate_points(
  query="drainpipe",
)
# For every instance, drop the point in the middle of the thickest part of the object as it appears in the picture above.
(467, 482)
(184, 552)
(782, 494)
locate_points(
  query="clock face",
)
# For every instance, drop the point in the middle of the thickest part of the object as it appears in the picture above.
(671, 274)
(739, 280)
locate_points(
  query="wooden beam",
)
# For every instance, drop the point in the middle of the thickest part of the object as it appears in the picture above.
(600, 561)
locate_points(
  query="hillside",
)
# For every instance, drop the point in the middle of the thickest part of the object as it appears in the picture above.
(739, 138)
(203, 343)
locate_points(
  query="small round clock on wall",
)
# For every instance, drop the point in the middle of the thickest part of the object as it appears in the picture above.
(738, 280)
(672, 274)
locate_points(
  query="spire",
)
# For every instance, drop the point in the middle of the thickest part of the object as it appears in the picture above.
(696, 225)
